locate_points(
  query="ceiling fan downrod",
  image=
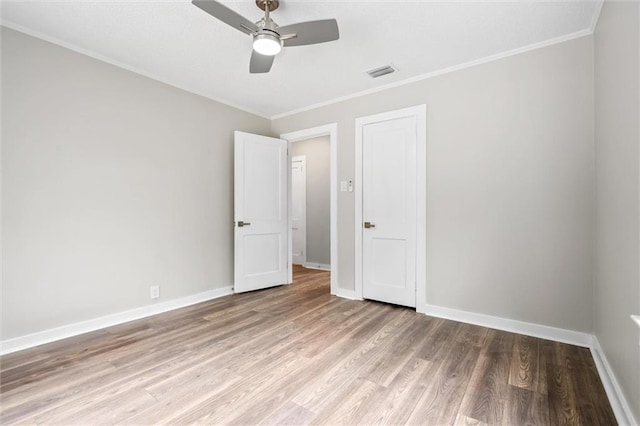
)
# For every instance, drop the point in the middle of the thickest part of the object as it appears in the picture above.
(268, 5)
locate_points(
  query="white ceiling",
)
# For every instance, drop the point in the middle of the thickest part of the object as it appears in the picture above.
(177, 43)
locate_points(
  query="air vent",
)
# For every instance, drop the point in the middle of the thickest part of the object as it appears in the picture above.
(380, 71)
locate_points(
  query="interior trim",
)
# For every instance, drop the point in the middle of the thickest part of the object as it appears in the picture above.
(616, 397)
(436, 73)
(345, 293)
(318, 266)
(514, 326)
(70, 330)
(119, 64)
(87, 52)
(330, 130)
(618, 402)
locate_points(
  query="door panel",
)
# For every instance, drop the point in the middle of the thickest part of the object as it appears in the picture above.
(389, 262)
(389, 204)
(299, 209)
(260, 210)
(262, 175)
(262, 254)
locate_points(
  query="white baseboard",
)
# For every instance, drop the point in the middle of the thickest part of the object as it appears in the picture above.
(319, 266)
(619, 404)
(58, 333)
(346, 294)
(530, 329)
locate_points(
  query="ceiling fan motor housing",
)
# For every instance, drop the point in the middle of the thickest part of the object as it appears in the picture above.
(267, 24)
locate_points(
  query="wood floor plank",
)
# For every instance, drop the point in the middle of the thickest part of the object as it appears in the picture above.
(223, 407)
(527, 365)
(440, 335)
(51, 390)
(288, 387)
(193, 382)
(322, 392)
(462, 420)
(563, 408)
(487, 391)
(179, 395)
(295, 354)
(441, 400)
(116, 380)
(360, 397)
(401, 350)
(25, 374)
(587, 379)
(526, 408)
(472, 334)
(290, 414)
(591, 407)
(401, 397)
(101, 411)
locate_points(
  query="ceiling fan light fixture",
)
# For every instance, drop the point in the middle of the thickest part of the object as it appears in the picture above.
(267, 44)
(268, 38)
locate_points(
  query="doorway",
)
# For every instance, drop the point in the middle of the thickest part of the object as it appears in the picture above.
(323, 235)
(310, 203)
(299, 208)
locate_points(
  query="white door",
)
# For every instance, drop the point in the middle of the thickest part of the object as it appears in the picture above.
(299, 209)
(260, 212)
(389, 210)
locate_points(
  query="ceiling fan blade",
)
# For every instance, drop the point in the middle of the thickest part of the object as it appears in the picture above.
(260, 64)
(310, 32)
(226, 15)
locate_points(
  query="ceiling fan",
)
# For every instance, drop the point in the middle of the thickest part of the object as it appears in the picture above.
(268, 37)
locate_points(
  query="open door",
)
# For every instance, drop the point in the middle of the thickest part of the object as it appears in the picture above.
(299, 210)
(260, 212)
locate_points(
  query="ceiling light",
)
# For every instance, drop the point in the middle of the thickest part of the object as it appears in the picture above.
(267, 43)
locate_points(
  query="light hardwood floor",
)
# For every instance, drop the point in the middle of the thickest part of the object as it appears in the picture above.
(296, 355)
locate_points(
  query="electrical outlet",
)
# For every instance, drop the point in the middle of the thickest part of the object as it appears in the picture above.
(155, 291)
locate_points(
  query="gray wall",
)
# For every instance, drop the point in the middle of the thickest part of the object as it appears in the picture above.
(510, 169)
(111, 182)
(617, 138)
(318, 161)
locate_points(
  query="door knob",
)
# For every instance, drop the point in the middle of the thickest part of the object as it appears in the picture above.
(369, 225)
(241, 224)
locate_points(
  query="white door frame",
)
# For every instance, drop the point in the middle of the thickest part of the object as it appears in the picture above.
(303, 160)
(420, 113)
(330, 130)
